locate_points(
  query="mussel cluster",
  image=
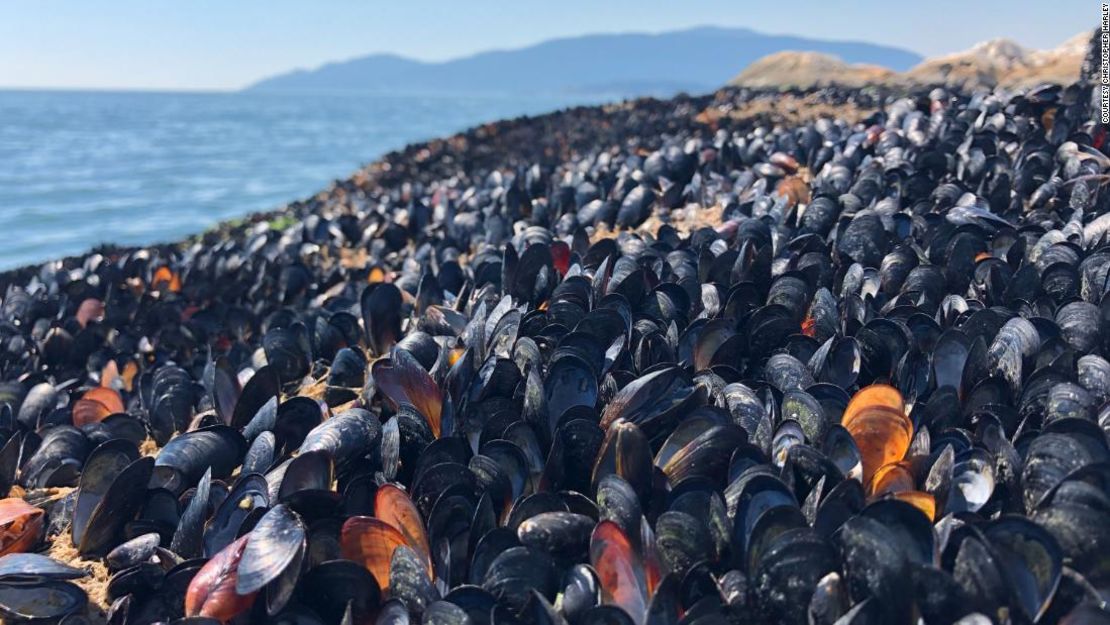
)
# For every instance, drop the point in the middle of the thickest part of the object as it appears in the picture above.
(658, 363)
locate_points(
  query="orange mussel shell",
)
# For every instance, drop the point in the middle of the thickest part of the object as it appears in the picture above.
(890, 479)
(877, 421)
(95, 405)
(620, 570)
(873, 397)
(165, 279)
(921, 500)
(20, 525)
(404, 381)
(371, 542)
(395, 507)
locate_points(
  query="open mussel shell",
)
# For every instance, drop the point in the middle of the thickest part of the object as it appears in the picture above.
(393, 506)
(120, 502)
(620, 569)
(371, 542)
(40, 601)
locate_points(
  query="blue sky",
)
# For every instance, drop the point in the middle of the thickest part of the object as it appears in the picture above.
(225, 44)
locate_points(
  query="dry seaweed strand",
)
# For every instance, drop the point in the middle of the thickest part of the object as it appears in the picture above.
(95, 584)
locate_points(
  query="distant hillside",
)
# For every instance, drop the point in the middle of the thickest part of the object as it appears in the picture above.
(698, 59)
(809, 69)
(1004, 62)
(998, 62)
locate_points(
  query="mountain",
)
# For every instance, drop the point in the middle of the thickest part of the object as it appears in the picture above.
(998, 62)
(698, 59)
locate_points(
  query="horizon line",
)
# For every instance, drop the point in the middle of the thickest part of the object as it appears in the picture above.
(252, 82)
(613, 33)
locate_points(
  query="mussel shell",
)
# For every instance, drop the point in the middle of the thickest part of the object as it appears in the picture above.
(120, 503)
(58, 459)
(1032, 560)
(789, 571)
(329, 587)
(345, 436)
(409, 582)
(258, 394)
(873, 570)
(518, 570)
(101, 469)
(21, 565)
(569, 382)
(137, 550)
(565, 536)
(40, 600)
(187, 541)
(276, 543)
(183, 460)
(682, 541)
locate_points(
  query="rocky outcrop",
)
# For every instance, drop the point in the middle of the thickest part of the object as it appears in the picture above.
(994, 63)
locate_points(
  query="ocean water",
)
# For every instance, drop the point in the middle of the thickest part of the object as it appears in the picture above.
(133, 168)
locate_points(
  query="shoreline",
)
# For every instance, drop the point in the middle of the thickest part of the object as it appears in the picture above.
(378, 172)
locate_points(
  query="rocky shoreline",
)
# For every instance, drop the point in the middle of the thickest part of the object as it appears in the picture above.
(751, 105)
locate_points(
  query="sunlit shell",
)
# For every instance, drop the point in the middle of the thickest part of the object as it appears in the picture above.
(889, 479)
(881, 430)
(873, 397)
(395, 507)
(403, 380)
(620, 570)
(371, 542)
(921, 500)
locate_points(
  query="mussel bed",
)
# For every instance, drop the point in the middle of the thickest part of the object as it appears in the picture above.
(835, 356)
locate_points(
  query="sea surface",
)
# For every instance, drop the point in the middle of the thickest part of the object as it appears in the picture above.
(134, 168)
